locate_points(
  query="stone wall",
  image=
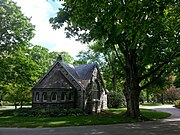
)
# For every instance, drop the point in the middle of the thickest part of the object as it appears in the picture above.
(67, 102)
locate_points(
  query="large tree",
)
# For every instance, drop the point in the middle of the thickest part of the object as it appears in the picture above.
(16, 31)
(15, 28)
(21, 75)
(46, 59)
(144, 35)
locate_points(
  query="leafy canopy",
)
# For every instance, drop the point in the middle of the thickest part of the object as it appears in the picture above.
(146, 30)
(15, 28)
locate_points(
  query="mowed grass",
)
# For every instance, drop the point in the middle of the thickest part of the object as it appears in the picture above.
(111, 116)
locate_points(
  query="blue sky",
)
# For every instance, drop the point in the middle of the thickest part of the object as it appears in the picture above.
(55, 40)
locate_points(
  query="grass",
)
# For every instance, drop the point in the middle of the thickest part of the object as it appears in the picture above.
(154, 115)
(111, 116)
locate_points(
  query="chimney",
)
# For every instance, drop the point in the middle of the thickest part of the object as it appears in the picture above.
(59, 58)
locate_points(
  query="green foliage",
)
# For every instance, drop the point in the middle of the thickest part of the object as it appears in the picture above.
(177, 81)
(22, 70)
(21, 64)
(15, 28)
(112, 73)
(29, 112)
(45, 59)
(116, 100)
(15, 69)
(172, 94)
(177, 103)
(19, 77)
(143, 35)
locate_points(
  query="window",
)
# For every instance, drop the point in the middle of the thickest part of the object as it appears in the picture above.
(63, 96)
(37, 96)
(54, 97)
(70, 96)
(44, 96)
(96, 90)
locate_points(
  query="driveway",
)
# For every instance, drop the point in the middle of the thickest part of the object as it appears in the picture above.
(175, 113)
(170, 126)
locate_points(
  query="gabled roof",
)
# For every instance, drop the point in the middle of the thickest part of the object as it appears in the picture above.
(81, 73)
(85, 71)
(70, 69)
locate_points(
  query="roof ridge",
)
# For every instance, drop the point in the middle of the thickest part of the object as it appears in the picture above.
(79, 83)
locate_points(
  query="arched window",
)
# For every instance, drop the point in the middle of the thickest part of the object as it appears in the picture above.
(44, 96)
(54, 97)
(96, 90)
(63, 96)
(37, 96)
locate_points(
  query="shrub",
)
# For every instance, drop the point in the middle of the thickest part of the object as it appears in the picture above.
(47, 112)
(116, 100)
(177, 103)
(172, 94)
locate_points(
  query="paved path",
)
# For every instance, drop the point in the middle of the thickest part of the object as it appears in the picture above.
(175, 113)
(170, 126)
(12, 107)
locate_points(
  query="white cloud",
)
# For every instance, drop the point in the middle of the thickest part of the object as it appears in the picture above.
(40, 11)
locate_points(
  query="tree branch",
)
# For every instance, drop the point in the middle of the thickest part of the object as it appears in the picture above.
(152, 71)
(152, 80)
(118, 57)
(173, 56)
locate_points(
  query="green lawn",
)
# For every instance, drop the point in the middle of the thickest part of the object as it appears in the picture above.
(112, 116)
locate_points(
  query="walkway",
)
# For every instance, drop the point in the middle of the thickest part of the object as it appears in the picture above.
(175, 113)
(170, 126)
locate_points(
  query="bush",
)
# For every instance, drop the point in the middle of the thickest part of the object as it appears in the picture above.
(177, 103)
(172, 94)
(116, 100)
(29, 112)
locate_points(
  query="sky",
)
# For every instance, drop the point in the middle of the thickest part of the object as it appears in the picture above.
(55, 40)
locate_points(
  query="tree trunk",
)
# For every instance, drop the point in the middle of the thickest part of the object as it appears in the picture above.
(162, 98)
(131, 86)
(21, 103)
(114, 80)
(15, 105)
(132, 100)
(0, 98)
(147, 95)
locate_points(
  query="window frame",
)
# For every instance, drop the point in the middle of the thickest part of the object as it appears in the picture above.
(96, 90)
(37, 97)
(52, 96)
(43, 97)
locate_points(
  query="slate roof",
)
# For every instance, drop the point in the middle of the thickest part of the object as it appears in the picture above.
(85, 71)
(70, 69)
(81, 73)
